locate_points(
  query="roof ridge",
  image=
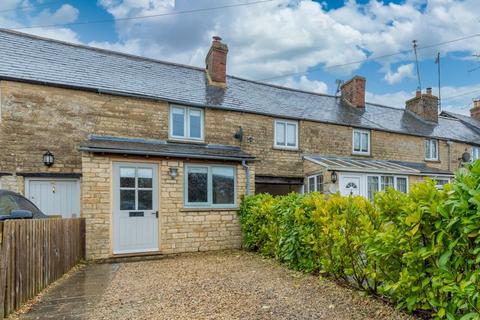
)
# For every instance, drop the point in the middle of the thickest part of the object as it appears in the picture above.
(92, 48)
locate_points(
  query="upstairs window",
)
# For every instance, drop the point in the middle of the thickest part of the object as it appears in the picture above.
(361, 142)
(186, 123)
(475, 153)
(286, 134)
(431, 149)
(315, 183)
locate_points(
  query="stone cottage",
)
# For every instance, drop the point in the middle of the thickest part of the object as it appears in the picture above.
(156, 156)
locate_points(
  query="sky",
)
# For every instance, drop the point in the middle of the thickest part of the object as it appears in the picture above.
(304, 44)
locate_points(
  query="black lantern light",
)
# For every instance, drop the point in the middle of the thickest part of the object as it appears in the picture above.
(48, 159)
(333, 177)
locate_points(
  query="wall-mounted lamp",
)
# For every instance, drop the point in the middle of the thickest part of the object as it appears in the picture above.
(48, 159)
(333, 177)
(173, 172)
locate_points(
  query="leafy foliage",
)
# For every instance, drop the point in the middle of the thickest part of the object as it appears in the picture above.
(420, 250)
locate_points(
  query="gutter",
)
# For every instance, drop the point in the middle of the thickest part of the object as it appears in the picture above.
(247, 173)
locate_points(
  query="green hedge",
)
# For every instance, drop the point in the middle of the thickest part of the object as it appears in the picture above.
(420, 250)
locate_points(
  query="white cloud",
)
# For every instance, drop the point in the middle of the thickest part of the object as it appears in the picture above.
(22, 18)
(303, 83)
(403, 71)
(288, 36)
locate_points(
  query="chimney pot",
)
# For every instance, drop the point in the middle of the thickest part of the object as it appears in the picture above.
(424, 105)
(216, 63)
(475, 111)
(353, 91)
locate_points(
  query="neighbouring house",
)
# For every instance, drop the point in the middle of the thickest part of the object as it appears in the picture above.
(156, 156)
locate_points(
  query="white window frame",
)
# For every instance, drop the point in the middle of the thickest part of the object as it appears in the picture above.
(475, 153)
(186, 119)
(285, 146)
(360, 152)
(430, 149)
(209, 203)
(438, 179)
(315, 183)
(379, 181)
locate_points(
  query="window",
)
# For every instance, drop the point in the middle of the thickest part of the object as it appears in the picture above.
(211, 186)
(475, 153)
(186, 123)
(440, 182)
(381, 183)
(361, 142)
(431, 149)
(136, 188)
(315, 183)
(286, 134)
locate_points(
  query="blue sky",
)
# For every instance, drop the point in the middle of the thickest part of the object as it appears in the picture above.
(297, 43)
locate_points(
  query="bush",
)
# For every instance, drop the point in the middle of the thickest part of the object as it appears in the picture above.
(420, 250)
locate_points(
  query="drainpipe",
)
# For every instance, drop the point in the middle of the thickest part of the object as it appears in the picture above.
(449, 144)
(247, 173)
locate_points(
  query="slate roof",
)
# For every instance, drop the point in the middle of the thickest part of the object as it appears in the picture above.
(38, 60)
(132, 146)
(472, 122)
(374, 166)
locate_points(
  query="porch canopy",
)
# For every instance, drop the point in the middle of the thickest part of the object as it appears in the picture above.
(151, 147)
(349, 164)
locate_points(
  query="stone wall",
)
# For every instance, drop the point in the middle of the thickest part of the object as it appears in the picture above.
(39, 118)
(181, 229)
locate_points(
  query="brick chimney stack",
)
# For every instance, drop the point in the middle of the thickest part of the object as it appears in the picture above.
(475, 111)
(353, 91)
(216, 63)
(424, 105)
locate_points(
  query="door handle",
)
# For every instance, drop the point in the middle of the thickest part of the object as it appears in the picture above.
(156, 214)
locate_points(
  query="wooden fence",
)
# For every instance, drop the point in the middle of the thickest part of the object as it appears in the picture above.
(33, 254)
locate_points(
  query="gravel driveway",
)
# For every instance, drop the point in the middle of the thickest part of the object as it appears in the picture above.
(228, 285)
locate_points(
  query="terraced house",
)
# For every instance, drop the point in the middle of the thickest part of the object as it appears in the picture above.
(156, 155)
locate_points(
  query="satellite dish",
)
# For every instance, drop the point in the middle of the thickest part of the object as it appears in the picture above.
(466, 157)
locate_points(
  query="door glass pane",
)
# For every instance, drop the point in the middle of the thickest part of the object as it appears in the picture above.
(386, 182)
(127, 177)
(364, 142)
(291, 135)
(356, 141)
(195, 123)
(197, 184)
(280, 133)
(223, 185)
(145, 199)
(311, 184)
(145, 177)
(372, 186)
(127, 199)
(178, 122)
(402, 184)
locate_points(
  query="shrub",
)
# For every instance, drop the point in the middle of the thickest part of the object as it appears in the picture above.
(420, 250)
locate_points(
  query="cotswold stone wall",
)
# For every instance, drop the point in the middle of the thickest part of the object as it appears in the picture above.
(180, 229)
(38, 118)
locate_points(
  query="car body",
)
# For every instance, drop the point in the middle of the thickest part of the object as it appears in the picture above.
(16, 206)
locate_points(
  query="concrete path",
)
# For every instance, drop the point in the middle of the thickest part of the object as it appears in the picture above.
(74, 297)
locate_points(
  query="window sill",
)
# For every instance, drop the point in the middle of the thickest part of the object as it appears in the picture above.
(366, 155)
(186, 141)
(286, 149)
(203, 209)
(432, 160)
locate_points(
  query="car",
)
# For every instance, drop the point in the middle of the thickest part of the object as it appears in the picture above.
(16, 206)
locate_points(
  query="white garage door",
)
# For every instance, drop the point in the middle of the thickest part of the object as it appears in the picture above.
(55, 196)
